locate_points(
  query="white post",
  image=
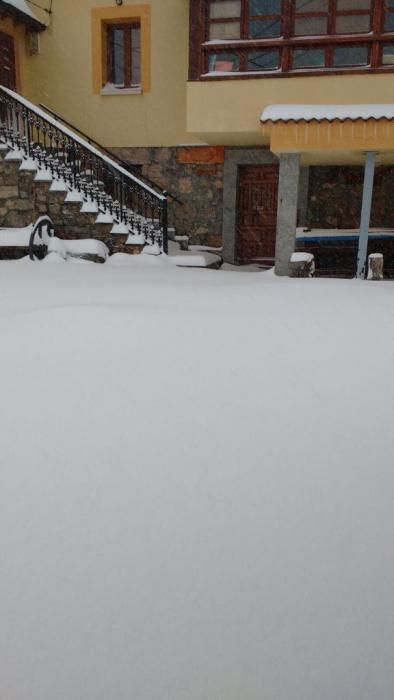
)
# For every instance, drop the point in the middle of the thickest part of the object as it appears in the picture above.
(369, 173)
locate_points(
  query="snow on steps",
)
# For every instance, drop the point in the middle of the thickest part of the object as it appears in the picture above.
(179, 253)
(73, 197)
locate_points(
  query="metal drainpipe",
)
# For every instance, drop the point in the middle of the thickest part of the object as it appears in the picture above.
(165, 224)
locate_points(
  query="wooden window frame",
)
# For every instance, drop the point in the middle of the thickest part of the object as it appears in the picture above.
(201, 47)
(127, 27)
(9, 68)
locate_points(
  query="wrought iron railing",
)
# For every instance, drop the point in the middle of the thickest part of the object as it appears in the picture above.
(141, 209)
(43, 229)
(133, 169)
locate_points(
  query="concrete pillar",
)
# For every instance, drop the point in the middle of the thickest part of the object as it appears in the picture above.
(289, 177)
(369, 173)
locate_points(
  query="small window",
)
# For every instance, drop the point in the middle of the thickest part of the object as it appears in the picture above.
(124, 55)
(263, 60)
(225, 30)
(224, 20)
(389, 15)
(304, 26)
(223, 63)
(351, 56)
(388, 55)
(264, 28)
(309, 58)
(353, 24)
(225, 9)
(311, 18)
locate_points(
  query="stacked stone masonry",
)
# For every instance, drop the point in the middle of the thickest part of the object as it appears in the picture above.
(195, 176)
(23, 200)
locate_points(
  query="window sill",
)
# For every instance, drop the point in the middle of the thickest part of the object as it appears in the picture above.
(295, 73)
(121, 91)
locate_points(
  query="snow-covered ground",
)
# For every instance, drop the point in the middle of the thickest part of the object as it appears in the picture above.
(197, 485)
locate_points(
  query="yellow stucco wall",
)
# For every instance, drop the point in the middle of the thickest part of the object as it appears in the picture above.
(62, 76)
(170, 111)
(228, 111)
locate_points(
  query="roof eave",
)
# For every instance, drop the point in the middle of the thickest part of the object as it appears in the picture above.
(19, 16)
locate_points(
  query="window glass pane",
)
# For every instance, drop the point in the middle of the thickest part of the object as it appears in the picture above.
(262, 28)
(263, 60)
(118, 56)
(225, 30)
(311, 6)
(135, 56)
(353, 4)
(389, 22)
(304, 26)
(350, 56)
(265, 7)
(348, 24)
(388, 54)
(223, 62)
(229, 8)
(308, 58)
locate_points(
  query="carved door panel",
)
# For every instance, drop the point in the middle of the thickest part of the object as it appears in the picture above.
(257, 212)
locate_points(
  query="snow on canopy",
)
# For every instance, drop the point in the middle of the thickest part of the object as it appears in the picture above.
(22, 6)
(329, 112)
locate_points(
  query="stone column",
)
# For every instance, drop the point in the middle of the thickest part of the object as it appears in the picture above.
(369, 174)
(289, 177)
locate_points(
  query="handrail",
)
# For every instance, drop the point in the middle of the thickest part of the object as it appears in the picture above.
(125, 164)
(98, 178)
(38, 228)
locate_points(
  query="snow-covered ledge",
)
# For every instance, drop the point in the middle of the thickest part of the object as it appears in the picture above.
(110, 89)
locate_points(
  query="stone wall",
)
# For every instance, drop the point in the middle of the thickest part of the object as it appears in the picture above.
(22, 201)
(335, 195)
(195, 176)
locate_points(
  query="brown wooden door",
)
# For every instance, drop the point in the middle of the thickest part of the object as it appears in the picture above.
(256, 213)
(7, 61)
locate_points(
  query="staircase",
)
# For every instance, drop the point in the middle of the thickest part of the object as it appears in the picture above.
(47, 169)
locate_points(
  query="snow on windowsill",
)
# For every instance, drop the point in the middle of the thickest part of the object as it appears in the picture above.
(111, 89)
(236, 73)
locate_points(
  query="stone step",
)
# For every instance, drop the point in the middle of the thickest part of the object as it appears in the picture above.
(28, 190)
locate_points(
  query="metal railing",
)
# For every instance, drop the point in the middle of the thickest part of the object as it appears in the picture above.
(137, 206)
(125, 164)
(43, 229)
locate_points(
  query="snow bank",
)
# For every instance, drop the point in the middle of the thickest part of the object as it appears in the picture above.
(83, 246)
(15, 236)
(197, 486)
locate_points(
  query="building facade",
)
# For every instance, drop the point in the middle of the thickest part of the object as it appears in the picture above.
(178, 88)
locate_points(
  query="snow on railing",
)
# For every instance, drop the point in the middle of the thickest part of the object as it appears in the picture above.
(130, 201)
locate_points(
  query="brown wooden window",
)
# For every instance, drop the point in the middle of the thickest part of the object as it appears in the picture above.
(389, 16)
(124, 55)
(7, 61)
(230, 37)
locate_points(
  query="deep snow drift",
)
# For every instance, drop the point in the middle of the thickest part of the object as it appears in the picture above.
(197, 485)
